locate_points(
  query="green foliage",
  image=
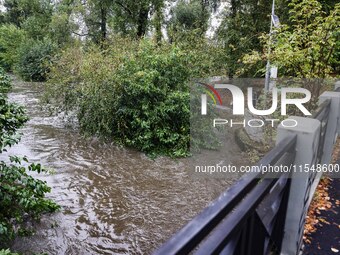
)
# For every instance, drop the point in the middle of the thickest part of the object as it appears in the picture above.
(190, 17)
(33, 15)
(202, 134)
(21, 195)
(41, 18)
(36, 27)
(10, 39)
(153, 107)
(12, 117)
(35, 57)
(14, 14)
(5, 81)
(308, 46)
(132, 17)
(243, 23)
(137, 95)
(7, 252)
(61, 27)
(186, 18)
(126, 18)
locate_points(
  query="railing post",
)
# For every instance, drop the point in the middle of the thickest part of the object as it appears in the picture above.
(337, 85)
(333, 124)
(308, 133)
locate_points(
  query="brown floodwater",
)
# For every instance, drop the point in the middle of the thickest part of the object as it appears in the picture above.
(114, 200)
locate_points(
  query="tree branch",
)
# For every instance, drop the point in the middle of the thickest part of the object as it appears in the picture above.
(80, 34)
(125, 8)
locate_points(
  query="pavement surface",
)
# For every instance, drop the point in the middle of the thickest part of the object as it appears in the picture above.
(326, 239)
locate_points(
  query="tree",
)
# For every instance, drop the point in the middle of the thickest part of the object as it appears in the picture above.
(307, 47)
(190, 17)
(62, 26)
(133, 17)
(185, 18)
(158, 20)
(207, 7)
(33, 16)
(96, 15)
(41, 18)
(129, 17)
(13, 12)
(10, 39)
(34, 59)
(238, 33)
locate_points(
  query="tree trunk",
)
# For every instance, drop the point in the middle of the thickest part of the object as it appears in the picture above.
(158, 24)
(103, 23)
(204, 4)
(142, 21)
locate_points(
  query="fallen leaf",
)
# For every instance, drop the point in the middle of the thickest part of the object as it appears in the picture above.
(320, 202)
(334, 250)
(324, 221)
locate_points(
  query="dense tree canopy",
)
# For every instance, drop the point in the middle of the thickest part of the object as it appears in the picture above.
(62, 41)
(65, 21)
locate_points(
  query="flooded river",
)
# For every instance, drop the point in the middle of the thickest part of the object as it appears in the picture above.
(114, 200)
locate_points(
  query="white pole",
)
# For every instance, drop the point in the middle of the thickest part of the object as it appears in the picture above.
(267, 79)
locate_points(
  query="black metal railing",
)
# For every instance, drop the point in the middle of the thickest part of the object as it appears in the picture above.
(249, 217)
(321, 114)
(254, 207)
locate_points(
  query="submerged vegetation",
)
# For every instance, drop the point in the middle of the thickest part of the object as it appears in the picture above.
(138, 95)
(21, 195)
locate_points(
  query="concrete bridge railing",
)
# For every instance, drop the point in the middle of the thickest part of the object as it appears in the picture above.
(261, 215)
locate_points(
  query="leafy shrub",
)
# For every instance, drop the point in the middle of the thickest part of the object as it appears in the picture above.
(153, 104)
(21, 195)
(7, 252)
(10, 39)
(187, 18)
(5, 81)
(34, 59)
(137, 93)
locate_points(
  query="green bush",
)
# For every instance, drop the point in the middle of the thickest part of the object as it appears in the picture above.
(10, 39)
(137, 93)
(5, 81)
(21, 195)
(7, 252)
(152, 109)
(34, 59)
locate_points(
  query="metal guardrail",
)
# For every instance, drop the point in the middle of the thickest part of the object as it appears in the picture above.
(237, 215)
(321, 114)
(249, 217)
(322, 111)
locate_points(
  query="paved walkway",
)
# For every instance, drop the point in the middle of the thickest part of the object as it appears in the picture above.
(326, 240)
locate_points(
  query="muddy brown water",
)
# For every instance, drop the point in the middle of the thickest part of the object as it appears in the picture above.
(114, 200)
